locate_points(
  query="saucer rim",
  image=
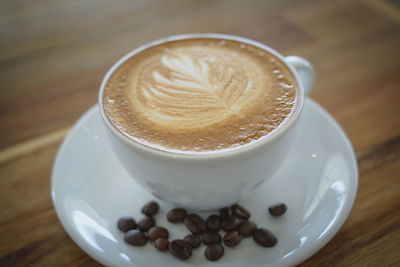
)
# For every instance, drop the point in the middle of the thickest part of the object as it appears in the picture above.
(290, 261)
(352, 190)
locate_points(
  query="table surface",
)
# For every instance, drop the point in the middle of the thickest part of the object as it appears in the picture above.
(55, 53)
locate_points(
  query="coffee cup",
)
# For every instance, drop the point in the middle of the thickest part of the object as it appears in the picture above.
(209, 179)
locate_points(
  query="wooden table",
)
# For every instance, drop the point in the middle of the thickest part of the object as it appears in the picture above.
(55, 53)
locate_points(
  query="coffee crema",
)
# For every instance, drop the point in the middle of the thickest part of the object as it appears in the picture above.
(200, 95)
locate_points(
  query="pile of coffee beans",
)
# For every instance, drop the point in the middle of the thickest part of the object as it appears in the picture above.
(234, 221)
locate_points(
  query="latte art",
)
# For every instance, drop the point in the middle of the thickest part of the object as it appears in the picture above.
(200, 96)
(190, 91)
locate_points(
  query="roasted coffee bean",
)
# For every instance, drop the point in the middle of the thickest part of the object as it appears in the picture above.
(156, 232)
(225, 213)
(211, 237)
(247, 228)
(195, 224)
(180, 249)
(193, 240)
(146, 223)
(264, 237)
(214, 252)
(277, 209)
(232, 239)
(126, 223)
(232, 224)
(135, 237)
(240, 211)
(177, 215)
(161, 244)
(150, 208)
(213, 223)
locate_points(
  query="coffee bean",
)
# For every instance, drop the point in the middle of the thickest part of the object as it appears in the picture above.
(146, 223)
(126, 223)
(213, 223)
(225, 213)
(177, 215)
(150, 208)
(232, 239)
(264, 237)
(180, 249)
(161, 244)
(156, 232)
(211, 237)
(240, 212)
(195, 224)
(247, 228)
(193, 240)
(135, 237)
(214, 252)
(232, 224)
(277, 209)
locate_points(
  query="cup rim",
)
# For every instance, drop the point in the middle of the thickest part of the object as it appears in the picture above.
(271, 138)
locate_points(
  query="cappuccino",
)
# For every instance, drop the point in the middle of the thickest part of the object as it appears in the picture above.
(200, 96)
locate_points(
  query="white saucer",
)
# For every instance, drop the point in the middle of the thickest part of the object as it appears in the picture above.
(318, 182)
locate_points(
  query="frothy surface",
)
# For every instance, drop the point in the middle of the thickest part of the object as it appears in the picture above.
(200, 96)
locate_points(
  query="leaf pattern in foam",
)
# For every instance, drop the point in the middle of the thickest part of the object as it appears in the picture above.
(194, 92)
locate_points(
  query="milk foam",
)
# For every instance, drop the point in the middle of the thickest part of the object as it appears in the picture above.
(200, 95)
(190, 90)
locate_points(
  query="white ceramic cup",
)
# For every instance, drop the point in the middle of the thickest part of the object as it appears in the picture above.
(208, 181)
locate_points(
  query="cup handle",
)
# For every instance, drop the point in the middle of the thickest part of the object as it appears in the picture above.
(304, 70)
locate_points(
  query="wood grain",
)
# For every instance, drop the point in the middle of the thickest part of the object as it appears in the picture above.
(53, 55)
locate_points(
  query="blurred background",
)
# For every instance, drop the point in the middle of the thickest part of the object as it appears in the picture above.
(54, 54)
